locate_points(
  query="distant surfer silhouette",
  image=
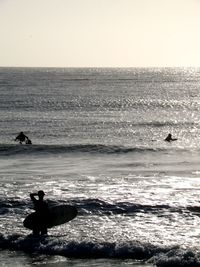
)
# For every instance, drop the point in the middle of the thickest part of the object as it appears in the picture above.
(41, 209)
(169, 138)
(23, 138)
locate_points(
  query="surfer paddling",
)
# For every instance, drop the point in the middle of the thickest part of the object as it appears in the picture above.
(169, 138)
(23, 138)
(41, 208)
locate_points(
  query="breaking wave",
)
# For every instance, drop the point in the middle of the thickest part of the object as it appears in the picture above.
(146, 252)
(99, 207)
(10, 150)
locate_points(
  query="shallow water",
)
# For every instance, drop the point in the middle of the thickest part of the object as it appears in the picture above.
(59, 261)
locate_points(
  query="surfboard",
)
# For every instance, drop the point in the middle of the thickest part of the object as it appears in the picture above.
(58, 214)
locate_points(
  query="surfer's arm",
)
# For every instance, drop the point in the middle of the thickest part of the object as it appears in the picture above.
(32, 196)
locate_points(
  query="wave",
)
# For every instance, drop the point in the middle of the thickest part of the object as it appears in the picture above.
(98, 207)
(77, 249)
(146, 252)
(176, 258)
(10, 150)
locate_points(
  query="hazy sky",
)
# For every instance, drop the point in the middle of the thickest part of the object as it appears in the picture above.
(100, 33)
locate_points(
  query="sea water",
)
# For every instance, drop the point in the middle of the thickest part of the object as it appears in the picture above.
(98, 144)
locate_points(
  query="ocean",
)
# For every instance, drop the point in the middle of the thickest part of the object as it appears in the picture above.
(98, 144)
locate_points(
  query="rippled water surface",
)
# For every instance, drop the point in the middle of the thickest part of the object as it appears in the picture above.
(98, 145)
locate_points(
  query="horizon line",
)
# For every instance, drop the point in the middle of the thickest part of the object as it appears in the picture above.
(102, 67)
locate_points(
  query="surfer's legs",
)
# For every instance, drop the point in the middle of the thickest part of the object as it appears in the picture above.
(44, 231)
(36, 232)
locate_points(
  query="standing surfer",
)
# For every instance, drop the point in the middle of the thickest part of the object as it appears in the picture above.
(41, 208)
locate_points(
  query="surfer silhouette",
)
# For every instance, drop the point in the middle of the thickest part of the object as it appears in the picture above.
(169, 138)
(41, 209)
(21, 138)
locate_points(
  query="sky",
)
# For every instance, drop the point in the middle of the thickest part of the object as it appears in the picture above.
(100, 33)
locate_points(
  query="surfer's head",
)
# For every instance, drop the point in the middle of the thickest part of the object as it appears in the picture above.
(41, 194)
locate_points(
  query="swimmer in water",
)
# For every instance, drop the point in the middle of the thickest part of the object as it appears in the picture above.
(169, 138)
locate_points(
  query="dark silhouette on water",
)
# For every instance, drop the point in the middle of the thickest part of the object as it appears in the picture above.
(169, 138)
(23, 138)
(41, 208)
(28, 141)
